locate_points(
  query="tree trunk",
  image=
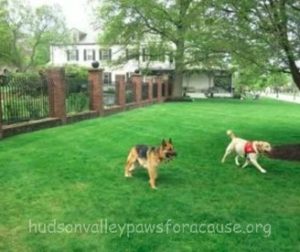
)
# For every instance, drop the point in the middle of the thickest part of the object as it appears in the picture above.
(282, 26)
(179, 68)
(177, 87)
(295, 72)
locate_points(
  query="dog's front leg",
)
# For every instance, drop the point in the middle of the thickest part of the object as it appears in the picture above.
(227, 152)
(152, 176)
(129, 168)
(246, 163)
(254, 162)
(237, 160)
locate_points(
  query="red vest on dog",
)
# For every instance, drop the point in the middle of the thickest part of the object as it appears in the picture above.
(249, 148)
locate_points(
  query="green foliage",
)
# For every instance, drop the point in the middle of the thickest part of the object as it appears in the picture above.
(77, 102)
(77, 89)
(163, 28)
(5, 45)
(76, 72)
(262, 35)
(24, 97)
(255, 35)
(28, 33)
(24, 108)
(30, 82)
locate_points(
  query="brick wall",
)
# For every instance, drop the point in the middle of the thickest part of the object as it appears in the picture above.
(57, 100)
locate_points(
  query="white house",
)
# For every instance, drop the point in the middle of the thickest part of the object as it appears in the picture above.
(84, 50)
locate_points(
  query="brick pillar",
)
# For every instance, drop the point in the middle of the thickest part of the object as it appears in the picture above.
(96, 91)
(137, 80)
(57, 93)
(150, 89)
(120, 79)
(159, 85)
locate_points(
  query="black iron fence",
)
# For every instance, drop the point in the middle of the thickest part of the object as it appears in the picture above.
(129, 92)
(154, 90)
(24, 98)
(77, 95)
(145, 91)
(163, 89)
(109, 95)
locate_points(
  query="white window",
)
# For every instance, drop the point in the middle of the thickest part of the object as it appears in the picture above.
(132, 54)
(89, 54)
(105, 54)
(72, 55)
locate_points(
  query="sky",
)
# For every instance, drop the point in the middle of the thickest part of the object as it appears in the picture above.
(75, 11)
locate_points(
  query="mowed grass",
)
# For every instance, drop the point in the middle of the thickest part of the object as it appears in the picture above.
(75, 175)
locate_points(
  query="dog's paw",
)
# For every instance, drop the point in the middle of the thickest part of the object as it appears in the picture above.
(128, 175)
(263, 171)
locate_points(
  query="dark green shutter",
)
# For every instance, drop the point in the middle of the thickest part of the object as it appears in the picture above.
(84, 54)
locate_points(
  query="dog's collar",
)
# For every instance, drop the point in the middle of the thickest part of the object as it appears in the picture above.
(249, 148)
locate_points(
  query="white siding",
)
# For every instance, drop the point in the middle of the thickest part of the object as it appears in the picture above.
(197, 82)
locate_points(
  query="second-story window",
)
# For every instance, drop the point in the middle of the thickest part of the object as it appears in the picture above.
(105, 54)
(89, 54)
(132, 54)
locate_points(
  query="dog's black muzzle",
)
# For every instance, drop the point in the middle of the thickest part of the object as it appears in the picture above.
(171, 154)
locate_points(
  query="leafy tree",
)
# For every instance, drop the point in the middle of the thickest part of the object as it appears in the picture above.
(175, 27)
(32, 31)
(264, 33)
(5, 45)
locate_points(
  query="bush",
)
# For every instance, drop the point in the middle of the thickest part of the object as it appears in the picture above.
(76, 79)
(32, 83)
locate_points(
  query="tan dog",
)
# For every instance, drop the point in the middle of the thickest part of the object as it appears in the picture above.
(149, 158)
(247, 149)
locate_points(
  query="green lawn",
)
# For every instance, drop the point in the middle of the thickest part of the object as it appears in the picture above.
(71, 175)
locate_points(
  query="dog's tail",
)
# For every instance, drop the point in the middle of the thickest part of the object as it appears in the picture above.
(230, 134)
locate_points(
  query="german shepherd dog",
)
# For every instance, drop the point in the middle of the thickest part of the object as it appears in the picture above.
(149, 157)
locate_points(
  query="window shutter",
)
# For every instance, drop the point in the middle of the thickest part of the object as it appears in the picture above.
(94, 55)
(144, 54)
(68, 55)
(127, 54)
(100, 54)
(77, 55)
(109, 54)
(109, 77)
(84, 54)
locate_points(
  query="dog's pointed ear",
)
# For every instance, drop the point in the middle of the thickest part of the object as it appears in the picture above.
(259, 146)
(163, 142)
(170, 140)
